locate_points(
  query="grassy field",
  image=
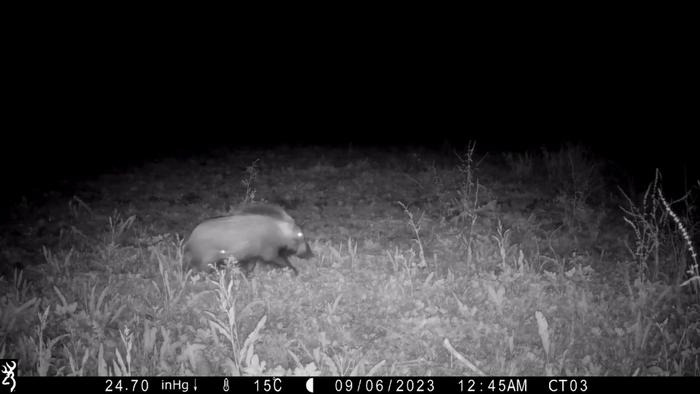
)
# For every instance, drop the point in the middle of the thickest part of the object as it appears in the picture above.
(464, 263)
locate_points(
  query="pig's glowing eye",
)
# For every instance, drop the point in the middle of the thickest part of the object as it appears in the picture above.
(300, 234)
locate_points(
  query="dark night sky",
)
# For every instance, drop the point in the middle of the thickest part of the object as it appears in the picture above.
(57, 132)
(62, 123)
(69, 117)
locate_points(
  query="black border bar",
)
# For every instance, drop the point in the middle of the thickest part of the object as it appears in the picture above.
(376, 384)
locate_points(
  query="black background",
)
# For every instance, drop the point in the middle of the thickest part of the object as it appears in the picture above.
(79, 106)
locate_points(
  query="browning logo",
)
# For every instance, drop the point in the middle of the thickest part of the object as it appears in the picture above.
(8, 367)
